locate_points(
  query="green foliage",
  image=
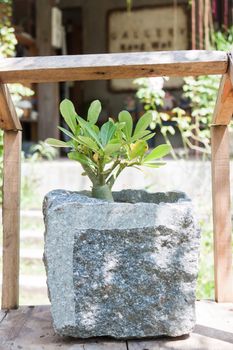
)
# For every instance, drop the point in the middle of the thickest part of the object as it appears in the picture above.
(42, 151)
(129, 4)
(105, 152)
(201, 91)
(151, 93)
(7, 37)
(8, 41)
(195, 128)
(223, 40)
(19, 92)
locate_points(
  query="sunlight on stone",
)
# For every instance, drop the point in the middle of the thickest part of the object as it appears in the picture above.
(110, 264)
(88, 318)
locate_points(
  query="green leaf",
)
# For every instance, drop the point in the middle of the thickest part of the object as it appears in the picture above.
(120, 126)
(86, 126)
(125, 117)
(138, 149)
(155, 164)
(81, 158)
(68, 133)
(94, 111)
(68, 112)
(112, 148)
(148, 137)
(158, 152)
(95, 128)
(143, 122)
(56, 143)
(106, 132)
(140, 135)
(87, 141)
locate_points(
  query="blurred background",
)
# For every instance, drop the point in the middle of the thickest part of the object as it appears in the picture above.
(182, 108)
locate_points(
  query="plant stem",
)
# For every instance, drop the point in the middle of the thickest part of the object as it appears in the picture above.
(102, 192)
(90, 173)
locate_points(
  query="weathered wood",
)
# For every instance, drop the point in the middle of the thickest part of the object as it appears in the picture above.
(48, 108)
(3, 314)
(109, 66)
(224, 105)
(8, 117)
(48, 94)
(31, 328)
(17, 324)
(221, 214)
(230, 69)
(11, 218)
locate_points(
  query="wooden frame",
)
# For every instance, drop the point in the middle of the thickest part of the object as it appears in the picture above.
(108, 66)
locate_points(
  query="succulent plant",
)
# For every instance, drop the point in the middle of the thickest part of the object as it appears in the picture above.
(106, 151)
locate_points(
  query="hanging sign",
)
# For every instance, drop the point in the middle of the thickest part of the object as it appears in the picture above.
(147, 29)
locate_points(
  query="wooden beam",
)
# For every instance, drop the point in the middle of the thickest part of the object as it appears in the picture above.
(8, 117)
(48, 94)
(230, 57)
(224, 105)
(109, 66)
(48, 107)
(221, 214)
(11, 218)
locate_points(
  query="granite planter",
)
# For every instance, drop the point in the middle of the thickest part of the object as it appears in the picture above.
(125, 269)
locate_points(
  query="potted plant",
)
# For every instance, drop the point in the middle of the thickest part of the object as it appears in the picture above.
(120, 264)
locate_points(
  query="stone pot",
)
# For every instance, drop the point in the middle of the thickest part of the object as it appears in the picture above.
(126, 269)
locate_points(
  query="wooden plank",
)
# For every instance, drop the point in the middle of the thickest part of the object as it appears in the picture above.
(48, 108)
(13, 324)
(230, 55)
(101, 345)
(213, 331)
(3, 314)
(221, 214)
(11, 218)
(8, 117)
(109, 66)
(196, 342)
(224, 105)
(48, 94)
(31, 328)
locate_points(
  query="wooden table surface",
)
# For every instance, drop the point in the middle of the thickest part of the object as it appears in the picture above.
(30, 328)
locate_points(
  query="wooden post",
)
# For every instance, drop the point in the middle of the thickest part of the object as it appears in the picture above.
(11, 219)
(221, 213)
(48, 94)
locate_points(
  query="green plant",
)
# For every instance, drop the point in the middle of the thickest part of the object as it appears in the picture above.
(42, 150)
(151, 93)
(105, 152)
(195, 127)
(223, 40)
(129, 4)
(201, 91)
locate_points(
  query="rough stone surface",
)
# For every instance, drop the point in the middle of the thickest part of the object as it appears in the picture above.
(125, 269)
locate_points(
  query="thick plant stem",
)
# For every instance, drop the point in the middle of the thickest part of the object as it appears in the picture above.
(102, 192)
